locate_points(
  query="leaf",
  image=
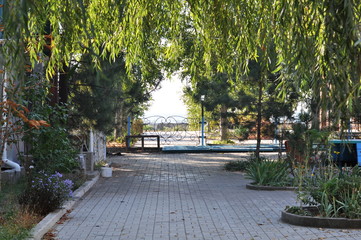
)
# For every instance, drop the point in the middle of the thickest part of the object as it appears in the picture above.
(44, 123)
(33, 124)
(358, 42)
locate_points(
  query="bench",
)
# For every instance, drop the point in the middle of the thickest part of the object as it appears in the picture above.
(127, 140)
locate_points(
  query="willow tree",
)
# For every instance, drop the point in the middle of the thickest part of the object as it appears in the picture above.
(318, 40)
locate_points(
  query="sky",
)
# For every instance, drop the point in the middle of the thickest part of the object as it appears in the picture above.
(167, 101)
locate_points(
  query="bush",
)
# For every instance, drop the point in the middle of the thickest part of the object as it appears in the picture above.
(52, 150)
(268, 173)
(50, 147)
(45, 193)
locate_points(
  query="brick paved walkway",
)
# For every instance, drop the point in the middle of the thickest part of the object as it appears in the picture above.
(183, 196)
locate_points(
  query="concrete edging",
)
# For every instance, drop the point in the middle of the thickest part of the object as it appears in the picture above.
(320, 222)
(50, 220)
(269, 188)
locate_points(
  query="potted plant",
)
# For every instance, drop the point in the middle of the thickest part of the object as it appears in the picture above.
(105, 169)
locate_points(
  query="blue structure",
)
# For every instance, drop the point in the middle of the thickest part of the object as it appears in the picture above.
(221, 148)
(346, 152)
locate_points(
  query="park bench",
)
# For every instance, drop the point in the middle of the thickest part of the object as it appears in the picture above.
(127, 140)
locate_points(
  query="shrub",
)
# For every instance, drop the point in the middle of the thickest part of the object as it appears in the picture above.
(45, 193)
(268, 173)
(52, 150)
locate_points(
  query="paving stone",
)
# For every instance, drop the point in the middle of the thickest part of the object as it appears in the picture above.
(186, 197)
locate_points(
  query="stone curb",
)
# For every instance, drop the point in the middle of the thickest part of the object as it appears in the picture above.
(269, 188)
(50, 220)
(320, 222)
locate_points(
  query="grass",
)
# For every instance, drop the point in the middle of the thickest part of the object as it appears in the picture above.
(15, 221)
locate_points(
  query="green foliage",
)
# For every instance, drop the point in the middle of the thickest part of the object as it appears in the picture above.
(50, 147)
(45, 193)
(103, 98)
(336, 192)
(241, 133)
(304, 144)
(298, 211)
(317, 42)
(240, 165)
(268, 172)
(52, 150)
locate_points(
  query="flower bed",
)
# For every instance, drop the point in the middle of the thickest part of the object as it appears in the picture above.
(313, 219)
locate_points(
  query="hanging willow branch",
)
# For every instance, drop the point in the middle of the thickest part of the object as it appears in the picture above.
(317, 41)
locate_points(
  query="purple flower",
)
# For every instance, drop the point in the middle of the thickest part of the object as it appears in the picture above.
(58, 174)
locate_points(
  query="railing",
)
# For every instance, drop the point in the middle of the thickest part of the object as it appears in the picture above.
(170, 129)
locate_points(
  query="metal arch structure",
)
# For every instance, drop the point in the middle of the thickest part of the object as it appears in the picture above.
(171, 129)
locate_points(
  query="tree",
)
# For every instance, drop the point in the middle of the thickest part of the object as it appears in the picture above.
(220, 97)
(318, 39)
(103, 98)
(262, 82)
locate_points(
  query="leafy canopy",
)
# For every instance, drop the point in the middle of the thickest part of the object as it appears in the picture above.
(318, 41)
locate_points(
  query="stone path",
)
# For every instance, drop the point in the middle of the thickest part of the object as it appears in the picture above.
(185, 197)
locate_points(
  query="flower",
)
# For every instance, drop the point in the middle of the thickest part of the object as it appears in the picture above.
(47, 192)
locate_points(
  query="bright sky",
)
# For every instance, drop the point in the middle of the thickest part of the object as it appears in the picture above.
(167, 101)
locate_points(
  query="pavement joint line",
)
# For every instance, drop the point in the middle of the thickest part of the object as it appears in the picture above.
(50, 220)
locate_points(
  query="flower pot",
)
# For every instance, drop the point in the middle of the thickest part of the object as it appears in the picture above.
(106, 172)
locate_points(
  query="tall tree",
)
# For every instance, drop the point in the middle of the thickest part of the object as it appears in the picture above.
(220, 97)
(103, 98)
(262, 82)
(323, 36)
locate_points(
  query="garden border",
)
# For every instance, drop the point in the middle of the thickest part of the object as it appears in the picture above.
(50, 220)
(269, 188)
(320, 222)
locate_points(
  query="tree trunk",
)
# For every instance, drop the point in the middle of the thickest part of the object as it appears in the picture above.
(63, 85)
(259, 117)
(224, 123)
(118, 126)
(0, 175)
